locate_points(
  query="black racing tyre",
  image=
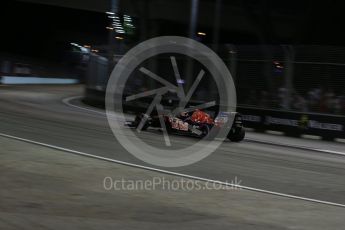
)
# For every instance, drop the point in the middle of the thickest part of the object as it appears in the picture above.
(237, 136)
(205, 129)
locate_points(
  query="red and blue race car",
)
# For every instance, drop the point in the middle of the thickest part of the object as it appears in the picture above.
(195, 123)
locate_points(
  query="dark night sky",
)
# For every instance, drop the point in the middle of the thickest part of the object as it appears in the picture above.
(46, 31)
(42, 30)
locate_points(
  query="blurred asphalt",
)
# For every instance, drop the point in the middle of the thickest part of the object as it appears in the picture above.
(37, 113)
(42, 188)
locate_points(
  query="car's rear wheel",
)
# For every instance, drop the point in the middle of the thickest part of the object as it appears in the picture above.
(205, 131)
(237, 136)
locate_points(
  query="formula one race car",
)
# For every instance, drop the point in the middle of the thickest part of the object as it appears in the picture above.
(196, 123)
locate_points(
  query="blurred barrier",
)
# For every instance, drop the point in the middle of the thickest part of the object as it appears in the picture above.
(13, 80)
(21, 66)
(294, 124)
(97, 72)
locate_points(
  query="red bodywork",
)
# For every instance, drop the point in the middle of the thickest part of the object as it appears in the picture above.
(199, 116)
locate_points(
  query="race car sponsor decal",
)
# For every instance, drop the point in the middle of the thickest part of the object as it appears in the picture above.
(179, 125)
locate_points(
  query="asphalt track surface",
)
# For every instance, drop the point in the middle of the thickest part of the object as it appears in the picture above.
(38, 113)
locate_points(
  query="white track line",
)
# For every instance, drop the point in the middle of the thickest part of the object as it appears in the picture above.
(66, 101)
(171, 173)
(298, 147)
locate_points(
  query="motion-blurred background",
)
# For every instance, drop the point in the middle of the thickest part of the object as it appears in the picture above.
(283, 55)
